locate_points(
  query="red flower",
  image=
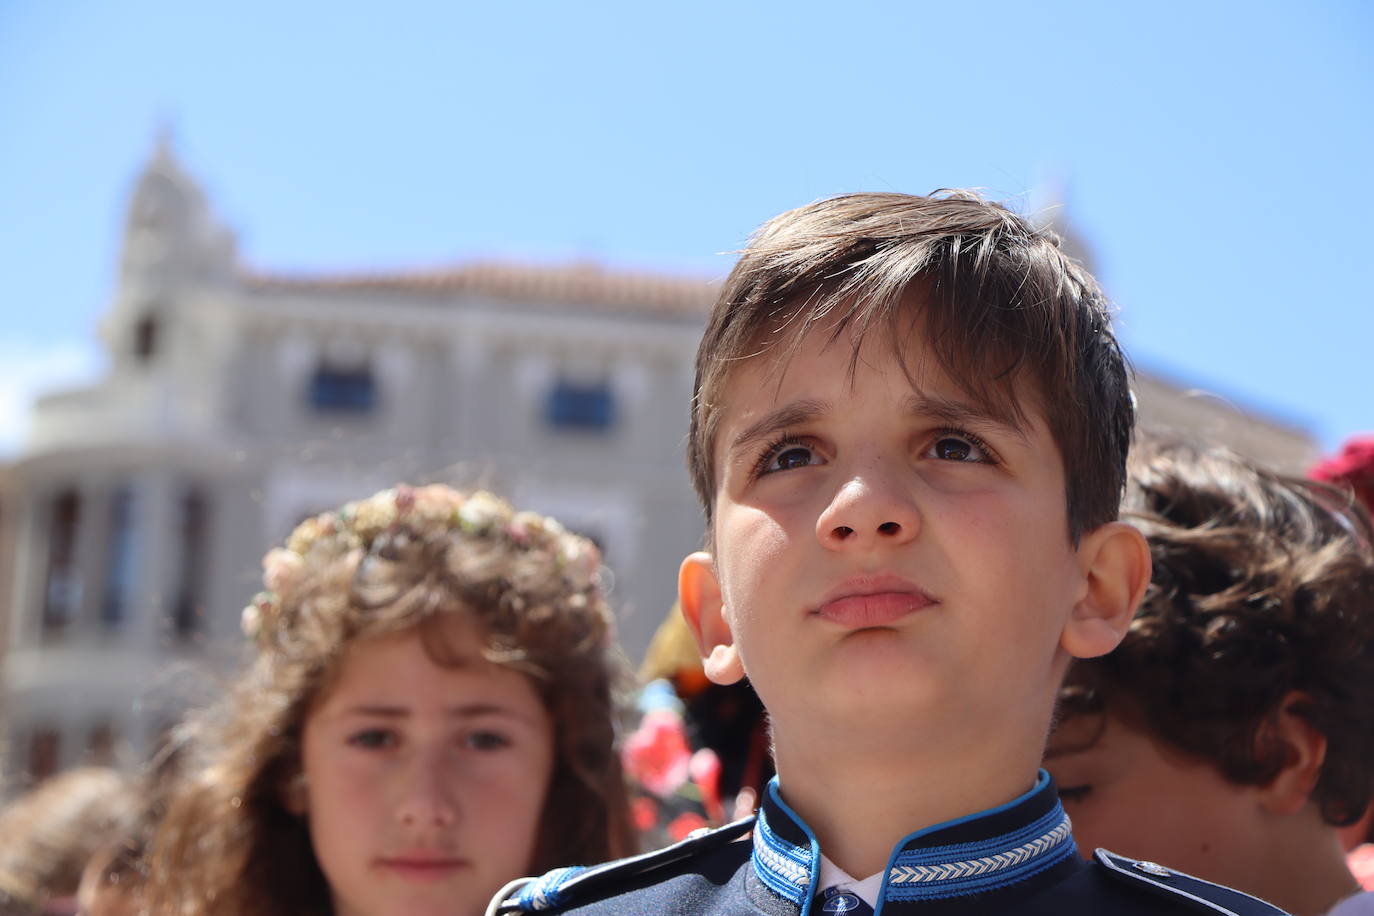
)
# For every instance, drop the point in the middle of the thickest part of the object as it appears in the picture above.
(644, 813)
(657, 754)
(684, 824)
(1353, 466)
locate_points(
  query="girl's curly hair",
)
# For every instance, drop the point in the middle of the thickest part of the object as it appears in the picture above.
(1263, 586)
(404, 558)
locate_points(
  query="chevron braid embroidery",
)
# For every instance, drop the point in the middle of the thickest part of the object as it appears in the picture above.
(777, 864)
(987, 865)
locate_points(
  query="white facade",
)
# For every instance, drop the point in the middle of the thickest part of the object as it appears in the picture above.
(238, 403)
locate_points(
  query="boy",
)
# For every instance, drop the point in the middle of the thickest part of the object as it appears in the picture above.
(909, 434)
(1232, 733)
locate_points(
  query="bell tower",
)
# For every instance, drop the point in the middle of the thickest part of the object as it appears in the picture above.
(172, 246)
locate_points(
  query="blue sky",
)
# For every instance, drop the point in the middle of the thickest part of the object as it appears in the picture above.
(1215, 156)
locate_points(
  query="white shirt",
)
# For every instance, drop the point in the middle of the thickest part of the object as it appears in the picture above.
(866, 890)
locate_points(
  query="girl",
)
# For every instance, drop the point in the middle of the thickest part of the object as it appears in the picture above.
(429, 715)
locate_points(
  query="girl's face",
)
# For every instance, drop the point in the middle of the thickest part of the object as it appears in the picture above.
(423, 785)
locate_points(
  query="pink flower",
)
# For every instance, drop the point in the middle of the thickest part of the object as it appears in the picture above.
(704, 768)
(282, 570)
(657, 754)
(1360, 861)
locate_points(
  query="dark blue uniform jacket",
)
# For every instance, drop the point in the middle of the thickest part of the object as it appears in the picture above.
(1018, 859)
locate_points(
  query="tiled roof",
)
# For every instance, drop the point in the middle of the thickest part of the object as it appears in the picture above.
(580, 283)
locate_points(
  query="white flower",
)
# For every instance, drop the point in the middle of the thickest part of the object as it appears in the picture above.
(251, 621)
(306, 533)
(282, 570)
(375, 515)
(581, 561)
(481, 511)
(435, 505)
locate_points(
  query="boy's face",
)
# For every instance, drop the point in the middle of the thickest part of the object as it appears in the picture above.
(1136, 796)
(884, 549)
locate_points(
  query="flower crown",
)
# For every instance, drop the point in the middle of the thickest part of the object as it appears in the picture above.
(480, 522)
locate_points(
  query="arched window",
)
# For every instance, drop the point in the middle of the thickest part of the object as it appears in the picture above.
(188, 612)
(343, 389)
(145, 338)
(581, 406)
(62, 594)
(119, 560)
(45, 746)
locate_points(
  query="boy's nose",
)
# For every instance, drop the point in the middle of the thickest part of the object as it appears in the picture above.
(867, 512)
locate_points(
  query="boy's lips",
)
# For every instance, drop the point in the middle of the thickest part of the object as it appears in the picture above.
(872, 601)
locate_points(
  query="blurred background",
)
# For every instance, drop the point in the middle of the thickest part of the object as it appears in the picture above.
(261, 258)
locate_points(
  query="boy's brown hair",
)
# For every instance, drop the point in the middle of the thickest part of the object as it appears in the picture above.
(1263, 587)
(47, 835)
(998, 302)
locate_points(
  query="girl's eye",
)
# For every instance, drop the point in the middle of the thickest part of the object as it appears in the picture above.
(786, 455)
(373, 738)
(952, 446)
(1075, 793)
(486, 741)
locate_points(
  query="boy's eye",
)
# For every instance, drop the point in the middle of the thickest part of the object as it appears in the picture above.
(373, 738)
(1073, 794)
(486, 741)
(787, 455)
(960, 447)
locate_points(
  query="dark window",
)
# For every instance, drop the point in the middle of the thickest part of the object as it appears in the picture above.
(188, 613)
(44, 745)
(100, 745)
(581, 406)
(62, 594)
(119, 562)
(145, 338)
(339, 390)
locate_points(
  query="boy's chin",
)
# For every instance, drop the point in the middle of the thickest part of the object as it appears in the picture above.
(872, 684)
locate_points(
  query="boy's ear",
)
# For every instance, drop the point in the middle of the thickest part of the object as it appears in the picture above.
(698, 591)
(1116, 566)
(1304, 748)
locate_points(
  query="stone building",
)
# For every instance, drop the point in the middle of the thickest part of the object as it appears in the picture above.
(238, 402)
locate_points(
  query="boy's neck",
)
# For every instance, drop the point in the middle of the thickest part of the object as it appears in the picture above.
(861, 805)
(1303, 865)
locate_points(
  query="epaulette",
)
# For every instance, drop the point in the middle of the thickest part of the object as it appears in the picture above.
(1201, 896)
(564, 886)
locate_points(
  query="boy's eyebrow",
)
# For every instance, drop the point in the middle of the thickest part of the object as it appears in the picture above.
(955, 413)
(958, 413)
(769, 425)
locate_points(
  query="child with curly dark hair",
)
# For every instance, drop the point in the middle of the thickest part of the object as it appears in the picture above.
(430, 713)
(1232, 732)
(48, 835)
